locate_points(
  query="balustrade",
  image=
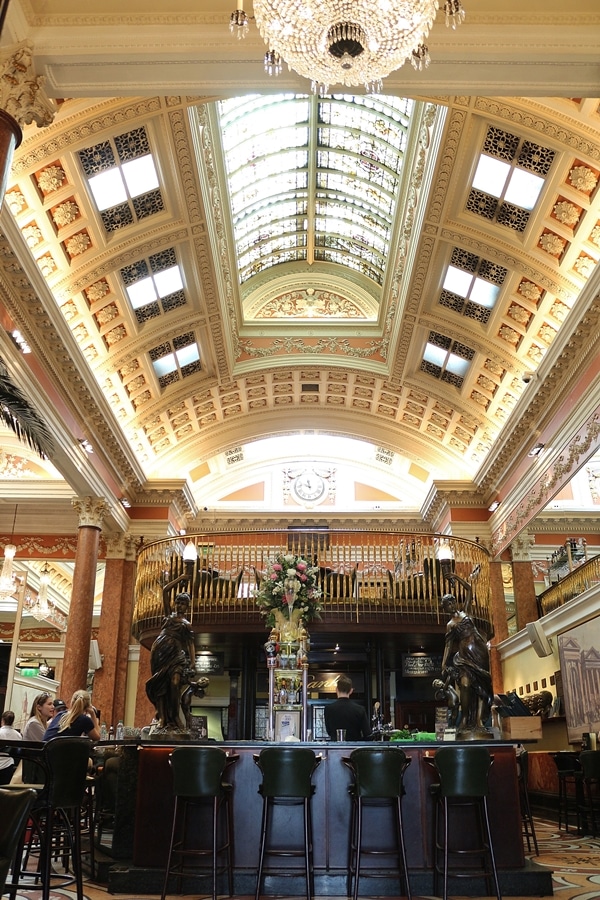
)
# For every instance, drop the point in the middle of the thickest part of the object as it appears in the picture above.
(366, 577)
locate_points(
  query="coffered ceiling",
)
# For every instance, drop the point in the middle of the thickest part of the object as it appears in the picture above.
(480, 337)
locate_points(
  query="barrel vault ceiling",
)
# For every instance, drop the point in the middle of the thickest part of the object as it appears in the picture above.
(480, 337)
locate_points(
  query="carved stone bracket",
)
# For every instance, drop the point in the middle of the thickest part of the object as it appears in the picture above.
(21, 94)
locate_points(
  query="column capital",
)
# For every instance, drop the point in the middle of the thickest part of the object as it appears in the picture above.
(21, 94)
(91, 510)
(121, 546)
(520, 547)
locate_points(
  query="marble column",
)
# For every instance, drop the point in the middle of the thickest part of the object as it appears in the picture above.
(81, 609)
(144, 710)
(499, 622)
(114, 634)
(526, 606)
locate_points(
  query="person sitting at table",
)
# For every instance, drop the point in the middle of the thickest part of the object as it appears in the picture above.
(78, 721)
(345, 714)
(8, 733)
(42, 710)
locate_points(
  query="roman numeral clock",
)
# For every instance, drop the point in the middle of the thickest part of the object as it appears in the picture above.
(308, 487)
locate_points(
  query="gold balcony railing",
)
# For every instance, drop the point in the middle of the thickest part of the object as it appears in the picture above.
(572, 585)
(367, 578)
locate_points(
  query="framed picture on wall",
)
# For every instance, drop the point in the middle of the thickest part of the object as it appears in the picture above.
(579, 655)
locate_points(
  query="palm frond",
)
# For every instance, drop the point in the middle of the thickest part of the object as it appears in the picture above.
(17, 414)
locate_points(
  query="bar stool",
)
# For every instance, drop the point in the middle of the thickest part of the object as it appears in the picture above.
(463, 773)
(56, 816)
(14, 812)
(568, 770)
(286, 781)
(526, 815)
(198, 783)
(379, 783)
(590, 801)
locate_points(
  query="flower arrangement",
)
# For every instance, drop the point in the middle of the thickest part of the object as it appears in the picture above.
(290, 583)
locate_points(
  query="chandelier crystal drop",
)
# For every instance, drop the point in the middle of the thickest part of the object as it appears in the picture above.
(355, 43)
(8, 581)
(7, 578)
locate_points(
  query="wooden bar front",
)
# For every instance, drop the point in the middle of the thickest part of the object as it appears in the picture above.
(331, 811)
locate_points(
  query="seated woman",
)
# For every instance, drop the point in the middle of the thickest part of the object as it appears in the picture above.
(78, 721)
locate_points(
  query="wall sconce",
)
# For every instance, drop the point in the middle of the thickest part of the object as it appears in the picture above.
(190, 554)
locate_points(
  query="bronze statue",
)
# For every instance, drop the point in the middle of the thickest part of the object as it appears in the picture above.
(466, 665)
(172, 661)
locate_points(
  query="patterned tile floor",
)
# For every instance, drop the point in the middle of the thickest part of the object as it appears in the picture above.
(575, 862)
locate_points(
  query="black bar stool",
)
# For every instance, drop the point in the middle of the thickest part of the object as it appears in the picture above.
(198, 782)
(14, 812)
(378, 782)
(463, 773)
(568, 770)
(286, 781)
(590, 801)
(56, 815)
(526, 815)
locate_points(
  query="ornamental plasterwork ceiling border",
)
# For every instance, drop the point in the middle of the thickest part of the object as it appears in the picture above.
(582, 445)
(572, 358)
(554, 522)
(19, 297)
(565, 136)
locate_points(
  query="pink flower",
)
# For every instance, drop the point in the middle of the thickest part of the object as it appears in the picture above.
(273, 576)
(301, 566)
(303, 577)
(277, 568)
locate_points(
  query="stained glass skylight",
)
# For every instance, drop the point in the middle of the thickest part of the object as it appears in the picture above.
(122, 179)
(314, 178)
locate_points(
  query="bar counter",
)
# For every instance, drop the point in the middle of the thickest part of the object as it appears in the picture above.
(331, 818)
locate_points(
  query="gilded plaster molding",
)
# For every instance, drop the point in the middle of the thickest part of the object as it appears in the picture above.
(121, 546)
(579, 448)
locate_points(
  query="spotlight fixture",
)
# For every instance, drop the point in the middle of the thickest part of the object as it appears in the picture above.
(345, 42)
(125, 503)
(85, 445)
(494, 506)
(535, 451)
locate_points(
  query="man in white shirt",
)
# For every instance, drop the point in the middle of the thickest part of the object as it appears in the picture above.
(7, 733)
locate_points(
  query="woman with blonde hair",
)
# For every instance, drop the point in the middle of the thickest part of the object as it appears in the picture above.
(42, 710)
(79, 721)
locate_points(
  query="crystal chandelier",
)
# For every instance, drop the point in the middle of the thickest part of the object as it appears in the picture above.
(41, 608)
(8, 581)
(346, 42)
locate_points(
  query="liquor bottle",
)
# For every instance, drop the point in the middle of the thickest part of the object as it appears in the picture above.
(103, 732)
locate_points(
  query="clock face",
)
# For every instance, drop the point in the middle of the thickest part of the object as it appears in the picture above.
(309, 487)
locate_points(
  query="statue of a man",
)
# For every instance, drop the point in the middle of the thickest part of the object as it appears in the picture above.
(466, 665)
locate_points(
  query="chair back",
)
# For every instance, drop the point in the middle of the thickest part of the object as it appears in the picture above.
(379, 771)
(463, 771)
(590, 764)
(67, 760)
(14, 810)
(287, 771)
(566, 762)
(197, 771)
